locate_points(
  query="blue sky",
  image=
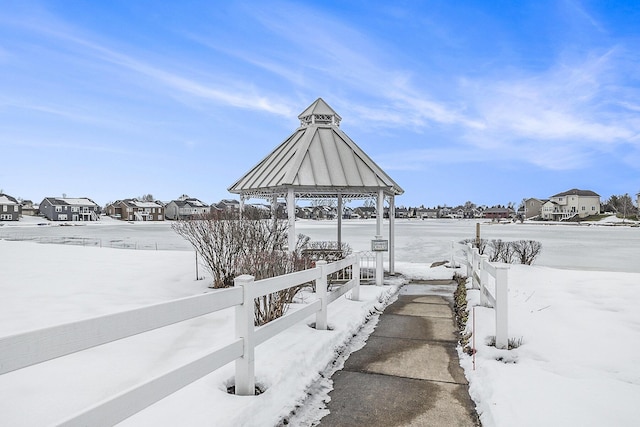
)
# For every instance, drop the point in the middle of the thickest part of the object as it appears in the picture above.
(490, 102)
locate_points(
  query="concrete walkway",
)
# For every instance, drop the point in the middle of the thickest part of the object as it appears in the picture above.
(408, 372)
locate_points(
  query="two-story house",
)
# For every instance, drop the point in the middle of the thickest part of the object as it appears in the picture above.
(69, 209)
(135, 210)
(186, 208)
(532, 207)
(10, 208)
(572, 203)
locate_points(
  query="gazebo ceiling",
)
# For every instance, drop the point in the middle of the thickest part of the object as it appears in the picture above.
(317, 160)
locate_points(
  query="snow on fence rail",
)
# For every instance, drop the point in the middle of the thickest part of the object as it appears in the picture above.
(484, 273)
(22, 350)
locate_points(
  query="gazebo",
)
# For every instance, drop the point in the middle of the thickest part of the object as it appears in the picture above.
(319, 160)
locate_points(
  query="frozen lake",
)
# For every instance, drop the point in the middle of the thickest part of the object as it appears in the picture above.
(581, 247)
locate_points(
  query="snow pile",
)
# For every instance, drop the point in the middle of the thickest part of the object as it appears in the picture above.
(578, 359)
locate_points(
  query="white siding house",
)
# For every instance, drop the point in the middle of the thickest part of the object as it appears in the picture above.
(563, 206)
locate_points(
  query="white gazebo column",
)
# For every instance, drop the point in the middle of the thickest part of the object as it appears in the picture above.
(291, 215)
(379, 254)
(392, 234)
(339, 221)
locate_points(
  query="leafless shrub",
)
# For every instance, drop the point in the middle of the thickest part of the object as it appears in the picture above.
(231, 246)
(501, 251)
(526, 251)
(480, 244)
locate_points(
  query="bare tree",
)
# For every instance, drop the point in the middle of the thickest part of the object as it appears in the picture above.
(526, 251)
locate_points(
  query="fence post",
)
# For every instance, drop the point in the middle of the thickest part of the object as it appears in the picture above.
(502, 307)
(484, 279)
(453, 254)
(355, 293)
(321, 293)
(468, 253)
(245, 319)
(475, 268)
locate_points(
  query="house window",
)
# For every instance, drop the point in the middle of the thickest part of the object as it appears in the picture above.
(75, 209)
(584, 208)
(6, 217)
(5, 208)
(15, 208)
(58, 208)
(62, 217)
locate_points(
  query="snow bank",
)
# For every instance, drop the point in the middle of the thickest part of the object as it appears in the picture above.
(44, 285)
(578, 362)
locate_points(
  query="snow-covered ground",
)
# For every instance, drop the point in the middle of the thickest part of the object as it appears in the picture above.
(575, 312)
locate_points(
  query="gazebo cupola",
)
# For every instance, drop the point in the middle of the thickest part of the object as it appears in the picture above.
(319, 113)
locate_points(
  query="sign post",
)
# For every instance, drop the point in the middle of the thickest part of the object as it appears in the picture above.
(379, 246)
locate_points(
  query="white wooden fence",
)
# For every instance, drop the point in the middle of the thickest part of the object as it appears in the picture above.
(29, 348)
(485, 276)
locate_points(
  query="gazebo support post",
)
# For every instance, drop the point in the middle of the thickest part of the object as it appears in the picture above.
(392, 235)
(274, 212)
(339, 221)
(291, 215)
(379, 254)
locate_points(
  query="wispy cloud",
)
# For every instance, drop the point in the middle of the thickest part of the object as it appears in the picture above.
(223, 91)
(568, 112)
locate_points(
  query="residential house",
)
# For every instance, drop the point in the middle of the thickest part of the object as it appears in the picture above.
(28, 208)
(570, 204)
(303, 212)
(227, 205)
(532, 207)
(186, 208)
(426, 213)
(498, 213)
(365, 212)
(401, 212)
(69, 209)
(135, 210)
(10, 208)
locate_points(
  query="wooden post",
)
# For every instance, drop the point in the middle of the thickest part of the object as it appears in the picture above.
(245, 319)
(478, 235)
(197, 278)
(321, 292)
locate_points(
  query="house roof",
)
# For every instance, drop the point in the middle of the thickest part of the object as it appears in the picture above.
(8, 200)
(192, 202)
(135, 203)
(576, 192)
(317, 159)
(76, 201)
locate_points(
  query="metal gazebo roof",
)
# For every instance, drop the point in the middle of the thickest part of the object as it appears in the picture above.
(317, 160)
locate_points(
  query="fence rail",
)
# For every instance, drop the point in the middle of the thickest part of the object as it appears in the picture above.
(486, 276)
(22, 350)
